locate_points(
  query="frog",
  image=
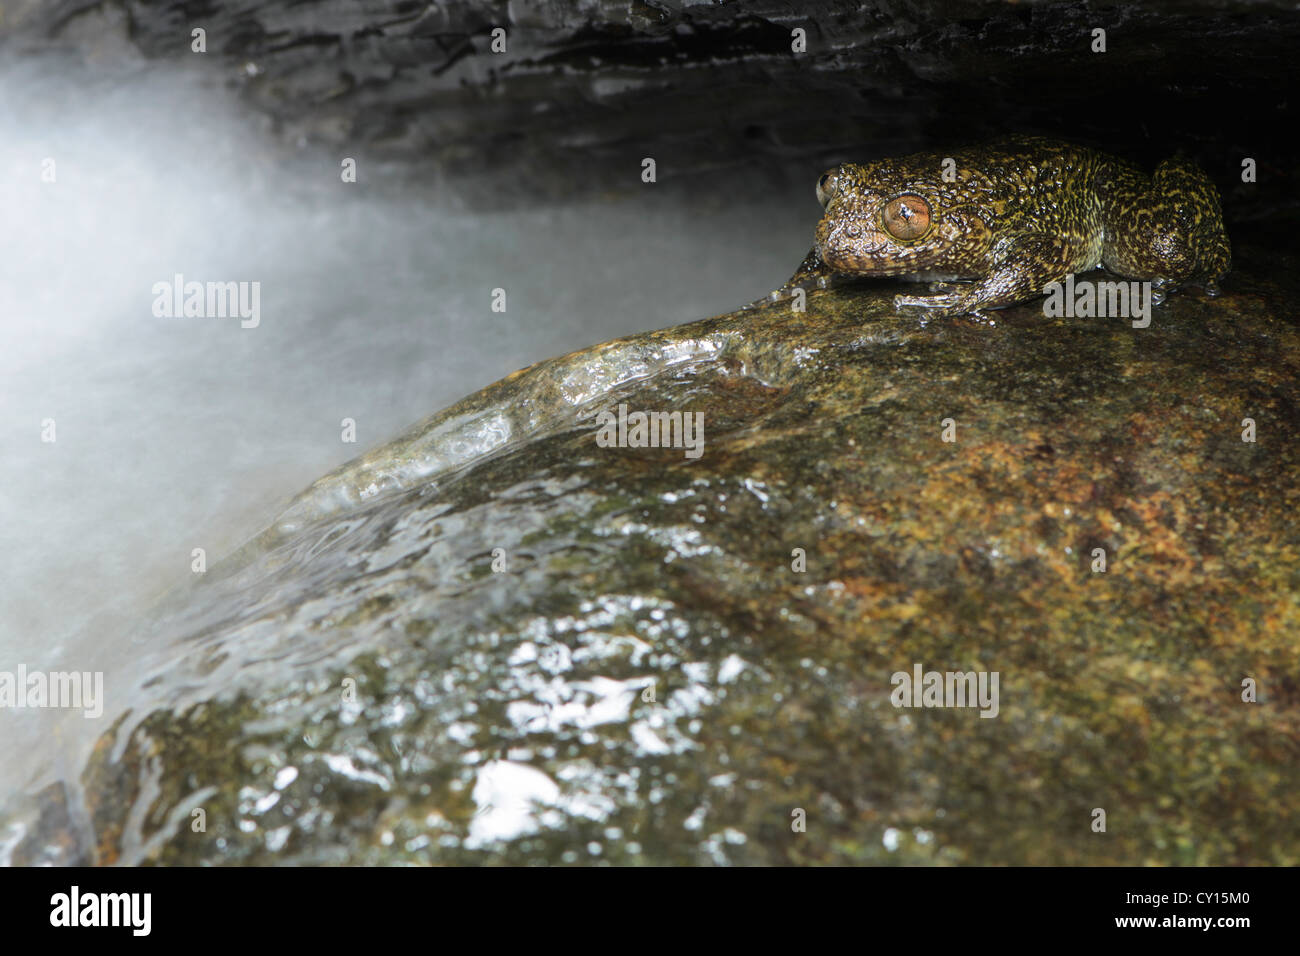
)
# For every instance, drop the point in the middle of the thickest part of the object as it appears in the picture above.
(992, 226)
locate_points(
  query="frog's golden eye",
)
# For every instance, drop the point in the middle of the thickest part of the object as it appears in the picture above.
(827, 185)
(907, 217)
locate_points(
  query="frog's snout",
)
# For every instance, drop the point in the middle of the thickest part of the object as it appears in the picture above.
(848, 243)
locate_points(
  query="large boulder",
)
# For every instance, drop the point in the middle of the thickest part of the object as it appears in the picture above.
(496, 639)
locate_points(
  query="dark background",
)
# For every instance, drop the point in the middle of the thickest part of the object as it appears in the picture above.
(713, 92)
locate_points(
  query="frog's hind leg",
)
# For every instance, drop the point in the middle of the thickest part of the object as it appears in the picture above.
(1171, 233)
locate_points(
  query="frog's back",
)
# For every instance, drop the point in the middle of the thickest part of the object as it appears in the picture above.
(1033, 184)
(1020, 154)
(1166, 227)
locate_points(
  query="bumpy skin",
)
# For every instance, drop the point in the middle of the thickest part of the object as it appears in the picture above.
(1020, 213)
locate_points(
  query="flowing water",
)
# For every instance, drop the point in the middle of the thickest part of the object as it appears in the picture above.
(172, 434)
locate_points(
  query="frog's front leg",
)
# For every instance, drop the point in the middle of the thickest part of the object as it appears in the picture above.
(1022, 266)
(812, 273)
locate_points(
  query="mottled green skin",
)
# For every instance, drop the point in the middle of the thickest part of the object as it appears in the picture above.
(1019, 214)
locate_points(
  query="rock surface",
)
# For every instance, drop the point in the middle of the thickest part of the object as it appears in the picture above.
(649, 681)
(713, 92)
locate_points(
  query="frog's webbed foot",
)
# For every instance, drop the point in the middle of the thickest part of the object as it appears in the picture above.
(1161, 288)
(952, 304)
(947, 304)
(1209, 285)
(811, 274)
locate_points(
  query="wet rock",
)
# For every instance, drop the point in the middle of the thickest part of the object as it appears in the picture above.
(645, 676)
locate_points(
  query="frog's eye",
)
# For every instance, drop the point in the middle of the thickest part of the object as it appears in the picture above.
(826, 186)
(907, 217)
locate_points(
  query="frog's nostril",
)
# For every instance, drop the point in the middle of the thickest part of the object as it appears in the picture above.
(853, 230)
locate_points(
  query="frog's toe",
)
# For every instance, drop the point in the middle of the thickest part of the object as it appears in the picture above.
(933, 303)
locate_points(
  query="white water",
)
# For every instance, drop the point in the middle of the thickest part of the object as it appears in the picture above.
(182, 433)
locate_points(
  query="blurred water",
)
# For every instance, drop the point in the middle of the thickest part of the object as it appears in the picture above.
(181, 433)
